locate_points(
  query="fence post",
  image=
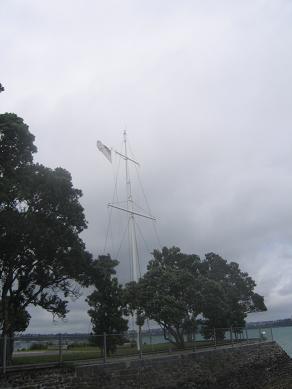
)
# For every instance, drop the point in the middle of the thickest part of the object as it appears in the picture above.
(140, 343)
(231, 337)
(246, 335)
(150, 338)
(4, 354)
(260, 335)
(60, 349)
(242, 336)
(272, 335)
(194, 340)
(215, 340)
(104, 347)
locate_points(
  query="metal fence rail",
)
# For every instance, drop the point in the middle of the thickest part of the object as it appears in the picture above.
(63, 348)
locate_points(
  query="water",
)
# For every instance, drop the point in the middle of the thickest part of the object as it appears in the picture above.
(282, 335)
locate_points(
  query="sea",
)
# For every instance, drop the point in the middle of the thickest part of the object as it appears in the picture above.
(282, 335)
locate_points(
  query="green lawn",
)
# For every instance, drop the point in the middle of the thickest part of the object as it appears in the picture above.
(83, 352)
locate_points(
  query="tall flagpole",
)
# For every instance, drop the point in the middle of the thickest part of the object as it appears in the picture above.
(132, 228)
(130, 209)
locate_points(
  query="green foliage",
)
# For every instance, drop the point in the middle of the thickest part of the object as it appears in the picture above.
(38, 346)
(178, 287)
(40, 219)
(169, 293)
(229, 294)
(19, 314)
(106, 304)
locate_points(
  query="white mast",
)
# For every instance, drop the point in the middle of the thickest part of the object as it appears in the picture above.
(132, 227)
(130, 209)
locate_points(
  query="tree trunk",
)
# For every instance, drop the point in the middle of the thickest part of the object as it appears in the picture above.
(9, 348)
(181, 341)
(178, 337)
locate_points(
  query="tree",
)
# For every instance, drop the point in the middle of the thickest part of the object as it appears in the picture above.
(235, 296)
(1, 88)
(215, 309)
(178, 287)
(169, 293)
(106, 304)
(40, 222)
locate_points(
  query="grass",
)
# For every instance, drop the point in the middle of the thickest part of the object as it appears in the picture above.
(83, 352)
(38, 359)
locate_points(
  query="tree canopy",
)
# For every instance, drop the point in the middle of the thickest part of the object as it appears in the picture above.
(168, 292)
(235, 296)
(107, 308)
(40, 222)
(179, 287)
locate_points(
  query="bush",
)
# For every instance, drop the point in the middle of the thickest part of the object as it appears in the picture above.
(79, 345)
(38, 346)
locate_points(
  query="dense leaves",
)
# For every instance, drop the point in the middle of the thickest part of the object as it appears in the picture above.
(169, 293)
(235, 296)
(40, 219)
(106, 304)
(178, 288)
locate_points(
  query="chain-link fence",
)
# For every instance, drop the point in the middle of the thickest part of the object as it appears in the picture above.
(59, 349)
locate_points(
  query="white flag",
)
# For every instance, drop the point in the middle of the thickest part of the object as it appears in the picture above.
(105, 150)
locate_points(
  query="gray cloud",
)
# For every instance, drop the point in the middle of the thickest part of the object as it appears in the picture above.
(204, 90)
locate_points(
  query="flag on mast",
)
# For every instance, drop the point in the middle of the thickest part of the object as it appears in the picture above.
(105, 150)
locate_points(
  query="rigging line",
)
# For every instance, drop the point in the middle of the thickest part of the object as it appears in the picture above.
(116, 181)
(139, 179)
(143, 191)
(130, 148)
(129, 254)
(108, 229)
(109, 226)
(138, 257)
(119, 202)
(122, 240)
(140, 208)
(146, 200)
(136, 166)
(156, 234)
(144, 240)
(140, 182)
(112, 241)
(148, 208)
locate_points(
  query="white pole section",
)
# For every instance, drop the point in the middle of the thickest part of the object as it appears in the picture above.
(132, 229)
(130, 209)
(134, 248)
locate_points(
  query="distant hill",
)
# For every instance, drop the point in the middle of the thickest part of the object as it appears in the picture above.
(270, 323)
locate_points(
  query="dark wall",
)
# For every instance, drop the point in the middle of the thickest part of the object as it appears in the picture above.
(249, 366)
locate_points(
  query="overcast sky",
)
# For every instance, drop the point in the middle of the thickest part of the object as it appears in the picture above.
(204, 90)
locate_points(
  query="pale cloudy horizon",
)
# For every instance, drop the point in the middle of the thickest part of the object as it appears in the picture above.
(204, 90)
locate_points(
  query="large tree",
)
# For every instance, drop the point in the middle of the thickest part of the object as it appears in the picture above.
(235, 296)
(178, 287)
(40, 221)
(107, 308)
(169, 293)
